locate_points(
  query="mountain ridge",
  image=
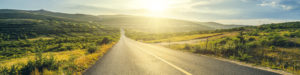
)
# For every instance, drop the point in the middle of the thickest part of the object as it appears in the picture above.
(128, 21)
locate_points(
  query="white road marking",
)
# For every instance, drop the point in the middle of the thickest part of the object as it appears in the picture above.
(174, 66)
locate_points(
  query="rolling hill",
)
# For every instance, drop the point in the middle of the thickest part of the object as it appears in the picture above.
(126, 21)
(21, 24)
(42, 40)
(160, 24)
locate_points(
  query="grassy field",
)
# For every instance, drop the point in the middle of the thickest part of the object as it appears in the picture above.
(49, 43)
(275, 46)
(283, 58)
(68, 62)
(153, 37)
(184, 38)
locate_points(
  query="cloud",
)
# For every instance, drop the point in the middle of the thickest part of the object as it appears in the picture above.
(253, 21)
(269, 3)
(214, 7)
(283, 4)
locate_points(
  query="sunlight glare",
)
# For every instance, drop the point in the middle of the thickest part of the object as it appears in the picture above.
(155, 8)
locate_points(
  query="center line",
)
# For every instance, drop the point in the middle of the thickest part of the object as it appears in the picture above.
(174, 66)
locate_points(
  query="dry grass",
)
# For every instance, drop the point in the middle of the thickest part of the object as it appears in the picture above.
(79, 57)
(297, 40)
(38, 38)
(224, 35)
(10, 62)
(59, 56)
(291, 54)
(88, 60)
(184, 38)
(290, 50)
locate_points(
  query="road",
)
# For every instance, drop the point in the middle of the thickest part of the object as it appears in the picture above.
(129, 57)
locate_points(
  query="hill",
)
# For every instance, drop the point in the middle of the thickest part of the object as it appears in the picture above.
(40, 41)
(160, 24)
(126, 21)
(80, 17)
(20, 24)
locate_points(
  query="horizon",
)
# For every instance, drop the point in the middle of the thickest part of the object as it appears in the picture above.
(239, 12)
(160, 17)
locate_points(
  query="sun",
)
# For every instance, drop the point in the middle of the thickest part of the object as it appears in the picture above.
(156, 5)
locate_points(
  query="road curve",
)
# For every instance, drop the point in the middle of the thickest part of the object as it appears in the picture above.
(129, 57)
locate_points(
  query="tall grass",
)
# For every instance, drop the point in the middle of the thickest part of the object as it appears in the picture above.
(54, 63)
(267, 50)
(32, 67)
(86, 61)
(184, 38)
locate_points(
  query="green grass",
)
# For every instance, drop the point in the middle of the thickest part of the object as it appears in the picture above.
(48, 43)
(273, 45)
(165, 37)
(184, 38)
(64, 62)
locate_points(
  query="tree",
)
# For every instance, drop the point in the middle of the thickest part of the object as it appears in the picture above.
(105, 40)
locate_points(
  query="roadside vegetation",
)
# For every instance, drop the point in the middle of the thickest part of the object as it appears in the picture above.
(54, 63)
(150, 37)
(276, 46)
(41, 43)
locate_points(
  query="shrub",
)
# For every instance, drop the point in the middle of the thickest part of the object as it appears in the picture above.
(187, 47)
(244, 56)
(92, 49)
(252, 44)
(277, 40)
(39, 65)
(295, 34)
(70, 47)
(254, 33)
(106, 40)
(251, 39)
(13, 70)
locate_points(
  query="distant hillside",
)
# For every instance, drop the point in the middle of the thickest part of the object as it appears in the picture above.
(125, 21)
(43, 14)
(220, 26)
(82, 17)
(20, 24)
(20, 14)
(161, 24)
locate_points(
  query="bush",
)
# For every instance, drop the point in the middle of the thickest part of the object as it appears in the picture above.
(9, 71)
(39, 64)
(106, 40)
(295, 34)
(92, 49)
(243, 56)
(278, 40)
(32, 66)
(251, 39)
(254, 33)
(187, 47)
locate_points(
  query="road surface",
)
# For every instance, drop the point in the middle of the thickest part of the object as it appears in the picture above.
(129, 57)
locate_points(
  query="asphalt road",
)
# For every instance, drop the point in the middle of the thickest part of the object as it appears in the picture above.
(129, 57)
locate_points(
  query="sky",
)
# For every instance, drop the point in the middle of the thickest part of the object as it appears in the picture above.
(240, 12)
